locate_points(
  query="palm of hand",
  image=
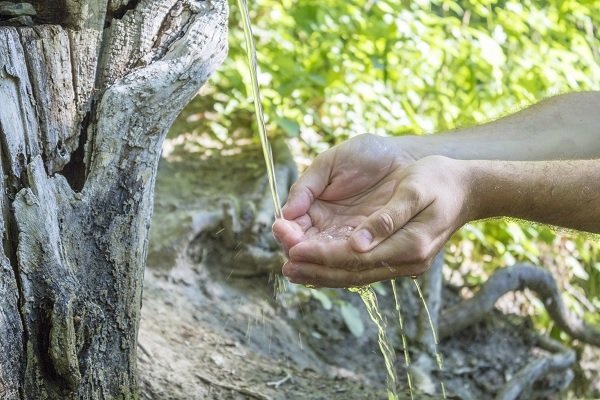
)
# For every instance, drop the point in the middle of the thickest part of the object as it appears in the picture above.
(321, 235)
(403, 212)
(336, 211)
(363, 178)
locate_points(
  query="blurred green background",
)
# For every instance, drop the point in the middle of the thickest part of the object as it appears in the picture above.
(331, 69)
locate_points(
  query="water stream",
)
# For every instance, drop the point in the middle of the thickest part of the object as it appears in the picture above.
(369, 298)
(366, 293)
(260, 117)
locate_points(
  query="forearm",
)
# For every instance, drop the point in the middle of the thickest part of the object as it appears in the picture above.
(561, 193)
(565, 127)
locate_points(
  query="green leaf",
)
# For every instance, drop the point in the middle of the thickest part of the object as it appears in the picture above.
(352, 319)
(289, 126)
(322, 297)
(576, 268)
(379, 288)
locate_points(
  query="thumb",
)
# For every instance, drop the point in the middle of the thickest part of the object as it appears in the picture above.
(309, 186)
(384, 222)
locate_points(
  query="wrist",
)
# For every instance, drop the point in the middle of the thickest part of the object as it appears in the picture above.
(491, 185)
(417, 147)
(468, 181)
(458, 145)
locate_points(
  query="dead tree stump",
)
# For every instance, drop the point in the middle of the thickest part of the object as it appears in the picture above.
(88, 90)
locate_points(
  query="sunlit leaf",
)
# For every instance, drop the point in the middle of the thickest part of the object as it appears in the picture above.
(352, 319)
(290, 127)
(322, 297)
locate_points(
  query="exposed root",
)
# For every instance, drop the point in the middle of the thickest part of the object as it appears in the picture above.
(241, 390)
(281, 381)
(560, 361)
(517, 277)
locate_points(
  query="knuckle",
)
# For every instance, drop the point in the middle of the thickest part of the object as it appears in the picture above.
(309, 194)
(421, 255)
(421, 252)
(353, 262)
(413, 193)
(294, 189)
(298, 190)
(385, 223)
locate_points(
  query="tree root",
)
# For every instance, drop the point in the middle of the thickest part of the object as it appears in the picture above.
(241, 390)
(517, 277)
(469, 312)
(560, 361)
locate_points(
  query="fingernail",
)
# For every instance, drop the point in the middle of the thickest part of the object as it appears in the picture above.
(363, 238)
(294, 278)
(288, 270)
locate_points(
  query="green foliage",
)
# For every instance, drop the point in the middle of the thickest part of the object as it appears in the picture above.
(352, 318)
(573, 258)
(330, 299)
(331, 69)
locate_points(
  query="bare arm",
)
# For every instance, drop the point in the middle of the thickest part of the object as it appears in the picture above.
(399, 199)
(565, 127)
(561, 193)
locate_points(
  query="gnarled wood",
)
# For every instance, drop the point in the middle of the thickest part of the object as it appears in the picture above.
(517, 277)
(560, 361)
(86, 100)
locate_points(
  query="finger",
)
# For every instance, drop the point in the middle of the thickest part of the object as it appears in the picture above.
(412, 245)
(383, 223)
(335, 253)
(308, 187)
(319, 275)
(288, 233)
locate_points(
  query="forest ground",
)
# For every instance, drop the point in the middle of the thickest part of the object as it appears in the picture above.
(215, 327)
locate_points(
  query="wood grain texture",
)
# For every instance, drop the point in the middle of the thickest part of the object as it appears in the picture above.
(85, 103)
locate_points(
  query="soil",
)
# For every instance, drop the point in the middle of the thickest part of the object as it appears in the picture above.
(219, 323)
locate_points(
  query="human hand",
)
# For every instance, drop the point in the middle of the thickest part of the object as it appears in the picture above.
(329, 193)
(365, 212)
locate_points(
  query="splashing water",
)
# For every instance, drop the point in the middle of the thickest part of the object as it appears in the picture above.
(403, 337)
(367, 294)
(438, 356)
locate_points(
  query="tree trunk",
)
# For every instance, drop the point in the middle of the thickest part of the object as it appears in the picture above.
(87, 94)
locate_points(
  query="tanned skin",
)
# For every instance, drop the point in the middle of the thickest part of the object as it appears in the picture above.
(404, 197)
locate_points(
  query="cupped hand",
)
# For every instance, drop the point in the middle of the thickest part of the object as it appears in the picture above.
(366, 211)
(338, 188)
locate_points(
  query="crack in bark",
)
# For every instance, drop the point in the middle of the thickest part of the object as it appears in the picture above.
(32, 78)
(50, 11)
(120, 12)
(75, 171)
(10, 241)
(170, 19)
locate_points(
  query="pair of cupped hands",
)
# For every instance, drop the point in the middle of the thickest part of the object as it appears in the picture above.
(370, 209)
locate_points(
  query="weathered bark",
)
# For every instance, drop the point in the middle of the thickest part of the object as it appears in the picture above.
(86, 97)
